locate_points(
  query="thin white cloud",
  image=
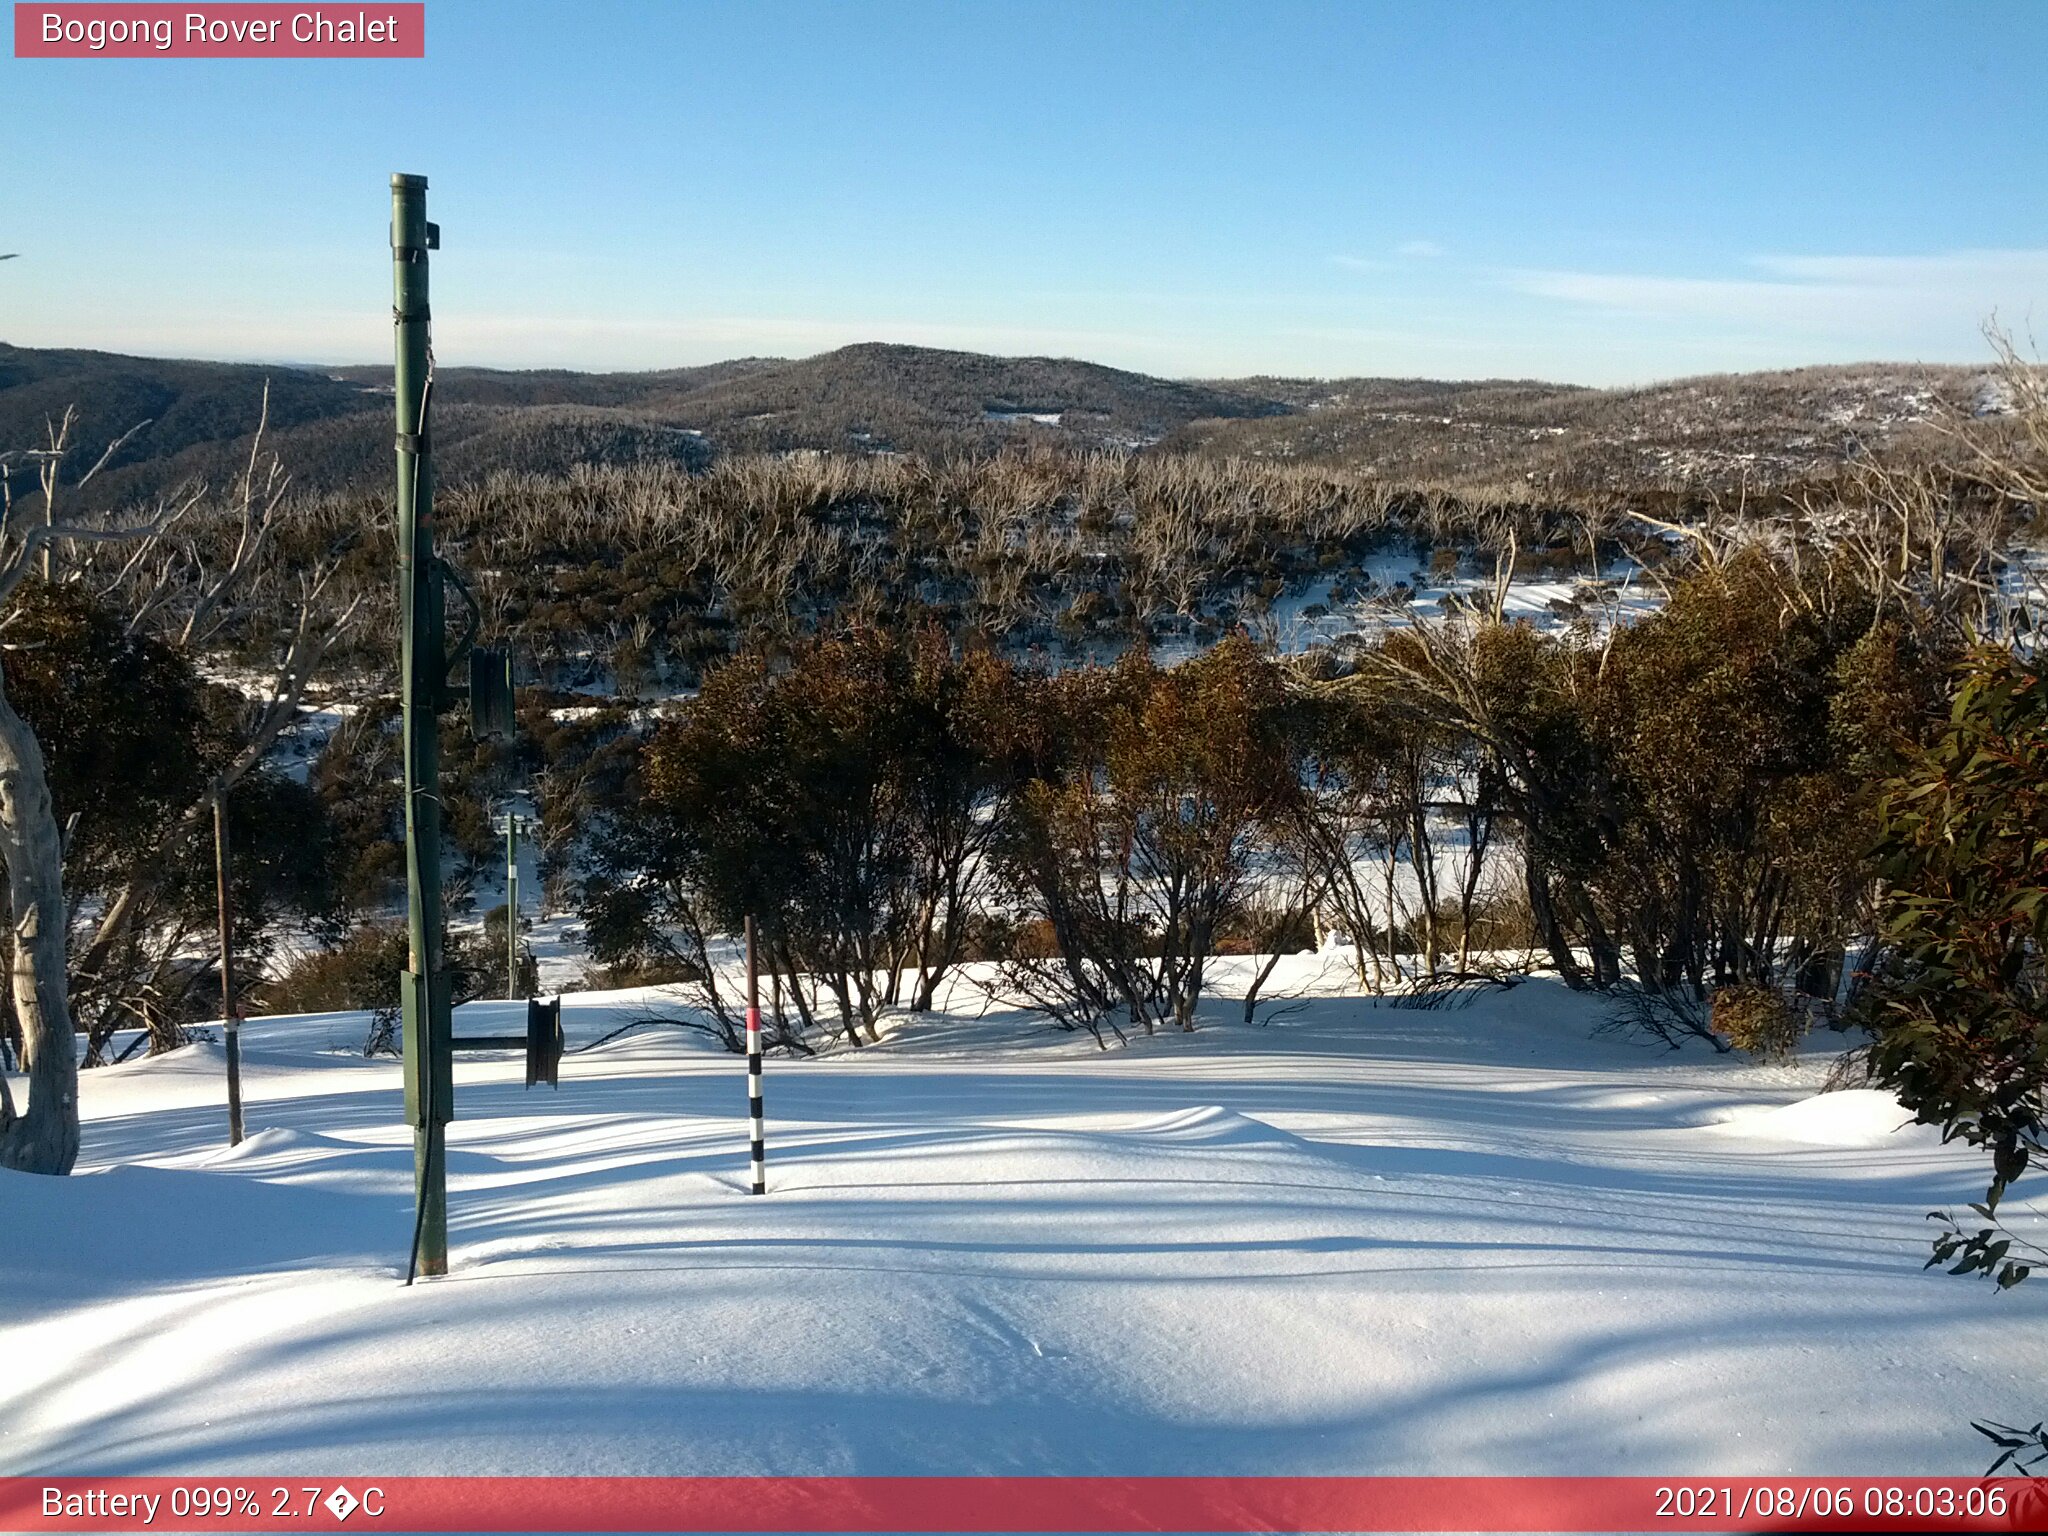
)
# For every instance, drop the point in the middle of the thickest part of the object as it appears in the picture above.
(1769, 310)
(1420, 250)
(1881, 296)
(1679, 297)
(1950, 268)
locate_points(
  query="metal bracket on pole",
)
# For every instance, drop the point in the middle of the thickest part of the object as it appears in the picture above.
(544, 1041)
(403, 249)
(460, 651)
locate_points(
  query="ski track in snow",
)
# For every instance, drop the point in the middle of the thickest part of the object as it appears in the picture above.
(1361, 1239)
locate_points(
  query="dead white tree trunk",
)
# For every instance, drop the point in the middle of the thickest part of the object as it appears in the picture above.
(42, 1137)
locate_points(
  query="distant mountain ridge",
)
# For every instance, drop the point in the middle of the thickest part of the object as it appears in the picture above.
(1716, 432)
(871, 397)
(332, 426)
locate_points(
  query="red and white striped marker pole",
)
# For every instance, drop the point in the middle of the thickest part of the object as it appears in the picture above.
(759, 1130)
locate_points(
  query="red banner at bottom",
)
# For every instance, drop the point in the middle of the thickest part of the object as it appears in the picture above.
(1021, 1504)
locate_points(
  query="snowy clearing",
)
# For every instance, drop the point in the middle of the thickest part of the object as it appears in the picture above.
(1361, 1239)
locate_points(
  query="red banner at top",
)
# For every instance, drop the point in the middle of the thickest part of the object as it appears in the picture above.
(122, 31)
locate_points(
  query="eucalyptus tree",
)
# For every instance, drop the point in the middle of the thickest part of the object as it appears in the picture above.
(189, 576)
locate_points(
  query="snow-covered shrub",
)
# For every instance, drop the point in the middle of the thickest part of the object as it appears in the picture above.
(362, 972)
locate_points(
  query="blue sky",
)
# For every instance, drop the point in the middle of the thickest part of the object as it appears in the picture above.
(1602, 193)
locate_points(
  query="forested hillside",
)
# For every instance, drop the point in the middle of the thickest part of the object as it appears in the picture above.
(1720, 432)
(1492, 439)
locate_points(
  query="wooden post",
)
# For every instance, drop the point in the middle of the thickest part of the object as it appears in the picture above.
(754, 1115)
(231, 1022)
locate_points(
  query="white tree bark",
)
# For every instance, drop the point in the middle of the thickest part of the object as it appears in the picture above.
(41, 1137)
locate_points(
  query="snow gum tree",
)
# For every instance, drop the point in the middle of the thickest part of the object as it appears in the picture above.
(839, 796)
(1200, 770)
(186, 574)
(1961, 1009)
(1510, 705)
(129, 737)
(42, 1135)
(1382, 768)
(1695, 794)
(1714, 714)
(1345, 823)
(1132, 839)
(1748, 731)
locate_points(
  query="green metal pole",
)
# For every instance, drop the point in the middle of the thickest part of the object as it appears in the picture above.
(512, 988)
(427, 1015)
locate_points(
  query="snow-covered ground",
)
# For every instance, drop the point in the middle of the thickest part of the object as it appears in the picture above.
(1398, 592)
(1361, 1238)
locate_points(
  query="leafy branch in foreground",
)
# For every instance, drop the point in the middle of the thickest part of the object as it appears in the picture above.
(1983, 1250)
(2021, 1449)
(1961, 1013)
